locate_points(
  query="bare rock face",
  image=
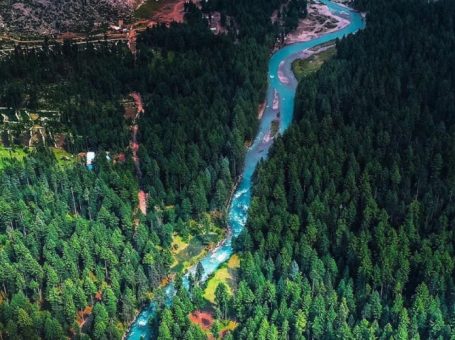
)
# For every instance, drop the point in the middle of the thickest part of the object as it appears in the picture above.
(56, 16)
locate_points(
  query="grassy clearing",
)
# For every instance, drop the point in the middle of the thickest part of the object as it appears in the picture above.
(148, 8)
(228, 326)
(10, 155)
(227, 274)
(221, 275)
(234, 262)
(178, 244)
(304, 67)
(63, 157)
(188, 253)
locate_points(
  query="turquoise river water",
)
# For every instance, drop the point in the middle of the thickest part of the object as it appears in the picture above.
(279, 105)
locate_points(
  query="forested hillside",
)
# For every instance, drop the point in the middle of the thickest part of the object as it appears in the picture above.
(201, 94)
(204, 93)
(71, 248)
(351, 228)
(75, 254)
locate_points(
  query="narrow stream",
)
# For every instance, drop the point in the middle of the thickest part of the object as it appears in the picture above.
(285, 94)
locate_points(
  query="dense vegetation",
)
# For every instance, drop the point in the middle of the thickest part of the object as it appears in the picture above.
(69, 241)
(201, 94)
(351, 228)
(350, 233)
(85, 84)
(252, 18)
(193, 144)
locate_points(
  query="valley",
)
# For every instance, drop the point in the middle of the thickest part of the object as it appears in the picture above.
(249, 169)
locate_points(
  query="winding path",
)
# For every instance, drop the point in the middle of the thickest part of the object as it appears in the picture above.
(279, 106)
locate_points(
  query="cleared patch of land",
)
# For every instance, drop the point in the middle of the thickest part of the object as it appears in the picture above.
(29, 128)
(63, 156)
(226, 274)
(148, 8)
(192, 251)
(201, 236)
(304, 67)
(205, 320)
(161, 11)
(10, 155)
(202, 319)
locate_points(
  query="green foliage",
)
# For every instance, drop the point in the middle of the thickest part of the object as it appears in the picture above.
(296, 10)
(222, 299)
(67, 242)
(69, 238)
(200, 94)
(305, 67)
(351, 221)
(195, 143)
(8, 156)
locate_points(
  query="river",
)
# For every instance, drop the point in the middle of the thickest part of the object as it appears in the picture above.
(283, 94)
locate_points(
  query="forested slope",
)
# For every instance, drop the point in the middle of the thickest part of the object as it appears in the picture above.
(201, 94)
(73, 247)
(202, 107)
(351, 228)
(69, 249)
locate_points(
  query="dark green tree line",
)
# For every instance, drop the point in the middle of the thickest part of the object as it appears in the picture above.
(350, 231)
(69, 241)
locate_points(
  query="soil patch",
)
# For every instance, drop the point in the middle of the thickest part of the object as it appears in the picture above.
(164, 11)
(202, 319)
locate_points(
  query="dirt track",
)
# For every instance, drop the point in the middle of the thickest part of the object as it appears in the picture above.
(134, 145)
(172, 10)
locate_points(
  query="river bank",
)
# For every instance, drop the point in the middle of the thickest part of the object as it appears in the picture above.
(314, 59)
(320, 20)
(241, 199)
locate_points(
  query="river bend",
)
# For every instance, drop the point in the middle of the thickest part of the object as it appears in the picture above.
(283, 94)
